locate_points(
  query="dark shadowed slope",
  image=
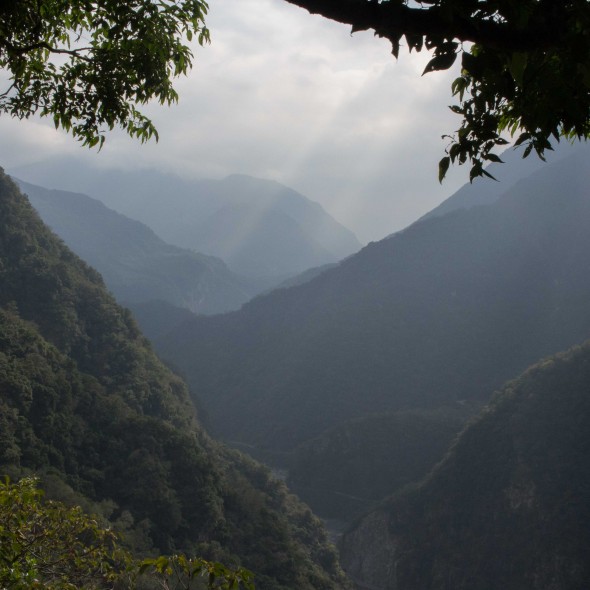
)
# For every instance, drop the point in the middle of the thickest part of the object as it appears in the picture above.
(86, 404)
(444, 311)
(350, 467)
(510, 506)
(157, 317)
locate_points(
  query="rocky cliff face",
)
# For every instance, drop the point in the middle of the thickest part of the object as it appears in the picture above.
(368, 550)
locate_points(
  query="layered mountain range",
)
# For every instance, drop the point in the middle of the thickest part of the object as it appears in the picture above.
(258, 227)
(356, 376)
(439, 314)
(138, 266)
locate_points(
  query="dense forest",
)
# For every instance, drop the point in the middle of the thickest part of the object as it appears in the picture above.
(87, 406)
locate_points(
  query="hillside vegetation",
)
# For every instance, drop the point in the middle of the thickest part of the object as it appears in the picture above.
(508, 508)
(87, 405)
(347, 469)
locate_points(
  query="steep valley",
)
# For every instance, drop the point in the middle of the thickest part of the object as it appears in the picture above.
(370, 382)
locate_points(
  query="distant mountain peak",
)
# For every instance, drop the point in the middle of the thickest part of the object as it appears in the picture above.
(136, 264)
(182, 212)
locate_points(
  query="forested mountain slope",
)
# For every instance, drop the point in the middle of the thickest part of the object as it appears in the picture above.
(258, 227)
(445, 311)
(349, 468)
(85, 402)
(136, 265)
(509, 507)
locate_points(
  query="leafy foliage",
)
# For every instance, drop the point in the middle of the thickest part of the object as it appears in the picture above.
(51, 546)
(48, 545)
(88, 65)
(524, 65)
(534, 94)
(180, 573)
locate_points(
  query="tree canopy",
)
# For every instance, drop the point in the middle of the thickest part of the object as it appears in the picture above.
(88, 64)
(525, 65)
(51, 546)
(48, 545)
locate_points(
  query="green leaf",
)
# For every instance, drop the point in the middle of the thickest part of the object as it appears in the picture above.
(440, 62)
(517, 66)
(443, 166)
(459, 86)
(493, 158)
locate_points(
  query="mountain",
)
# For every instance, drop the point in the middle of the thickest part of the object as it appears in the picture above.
(302, 277)
(88, 407)
(347, 469)
(136, 265)
(258, 227)
(274, 216)
(156, 317)
(444, 311)
(509, 506)
(257, 242)
(512, 170)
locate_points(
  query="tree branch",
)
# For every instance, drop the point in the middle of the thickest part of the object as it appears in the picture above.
(391, 20)
(22, 49)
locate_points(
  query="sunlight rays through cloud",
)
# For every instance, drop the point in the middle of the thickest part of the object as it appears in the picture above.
(284, 95)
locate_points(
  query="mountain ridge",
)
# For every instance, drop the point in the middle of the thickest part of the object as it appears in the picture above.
(137, 265)
(480, 292)
(177, 210)
(513, 169)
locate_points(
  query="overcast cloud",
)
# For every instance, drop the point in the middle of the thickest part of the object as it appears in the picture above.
(284, 95)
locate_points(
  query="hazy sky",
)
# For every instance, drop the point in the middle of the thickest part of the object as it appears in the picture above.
(284, 95)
